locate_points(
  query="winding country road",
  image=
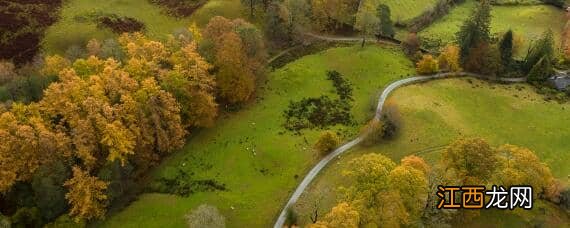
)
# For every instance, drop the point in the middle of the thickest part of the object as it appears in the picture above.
(327, 159)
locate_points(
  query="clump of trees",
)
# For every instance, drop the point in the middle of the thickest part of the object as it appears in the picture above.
(287, 21)
(23, 26)
(384, 193)
(477, 51)
(237, 50)
(115, 111)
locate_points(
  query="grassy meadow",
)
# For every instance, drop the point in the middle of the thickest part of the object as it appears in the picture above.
(530, 22)
(435, 113)
(71, 29)
(406, 10)
(250, 152)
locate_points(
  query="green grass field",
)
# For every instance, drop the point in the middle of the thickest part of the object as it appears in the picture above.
(70, 31)
(224, 153)
(530, 22)
(436, 113)
(406, 10)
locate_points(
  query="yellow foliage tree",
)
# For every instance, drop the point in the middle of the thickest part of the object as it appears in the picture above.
(118, 140)
(327, 142)
(412, 185)
(93, 47)
(86, 195)
(342, 215)
(449, 58)
(427, 65)
(520, 166)
(54, 64)
(27, 143)
(471, 158)
(416, 163)
(236, 83)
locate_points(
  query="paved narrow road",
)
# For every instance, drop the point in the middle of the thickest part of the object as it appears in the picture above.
(327, 159)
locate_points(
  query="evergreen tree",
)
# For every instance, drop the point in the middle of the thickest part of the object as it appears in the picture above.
(475, 29)
(542, 48)
(541, 70)
(386, 27)
(506, 48)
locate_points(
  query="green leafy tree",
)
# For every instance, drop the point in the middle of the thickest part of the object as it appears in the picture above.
(386, 27)
(366, 20)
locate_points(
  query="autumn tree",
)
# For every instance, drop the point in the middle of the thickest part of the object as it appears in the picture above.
(412, 185)
(327, 142)
(449, 59)
(376, 201)
(526, 166)
(54, 64)
(86, 195)
(385, 25)
(427, 65)
(484, 59)
(475, 30)
(238, 68)
(366, 20)
(416, 163)
(235, 82)
(411, 45)
(94, 47)
(373, 132)
(332, 14)
(27, 144)
(342, 215)
(470, 158)
(205, 216)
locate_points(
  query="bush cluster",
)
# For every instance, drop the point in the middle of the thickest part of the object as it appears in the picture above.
(181, 183)
(323, 111)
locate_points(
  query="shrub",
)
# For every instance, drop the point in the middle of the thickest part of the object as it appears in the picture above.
(553, 191)
(7, 72)
(65, 221)
(205, 216)
(327, 142)
(392, 120)
(119, 24)
(565, 198)
(427, 65)
(292, 217)
(373, 132)
(440, 9)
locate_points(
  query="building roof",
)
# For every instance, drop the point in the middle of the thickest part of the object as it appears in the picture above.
(560, 81)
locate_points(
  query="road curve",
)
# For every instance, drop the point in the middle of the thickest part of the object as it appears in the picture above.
(394, 85)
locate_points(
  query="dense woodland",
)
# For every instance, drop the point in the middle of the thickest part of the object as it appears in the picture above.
(79, 131)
